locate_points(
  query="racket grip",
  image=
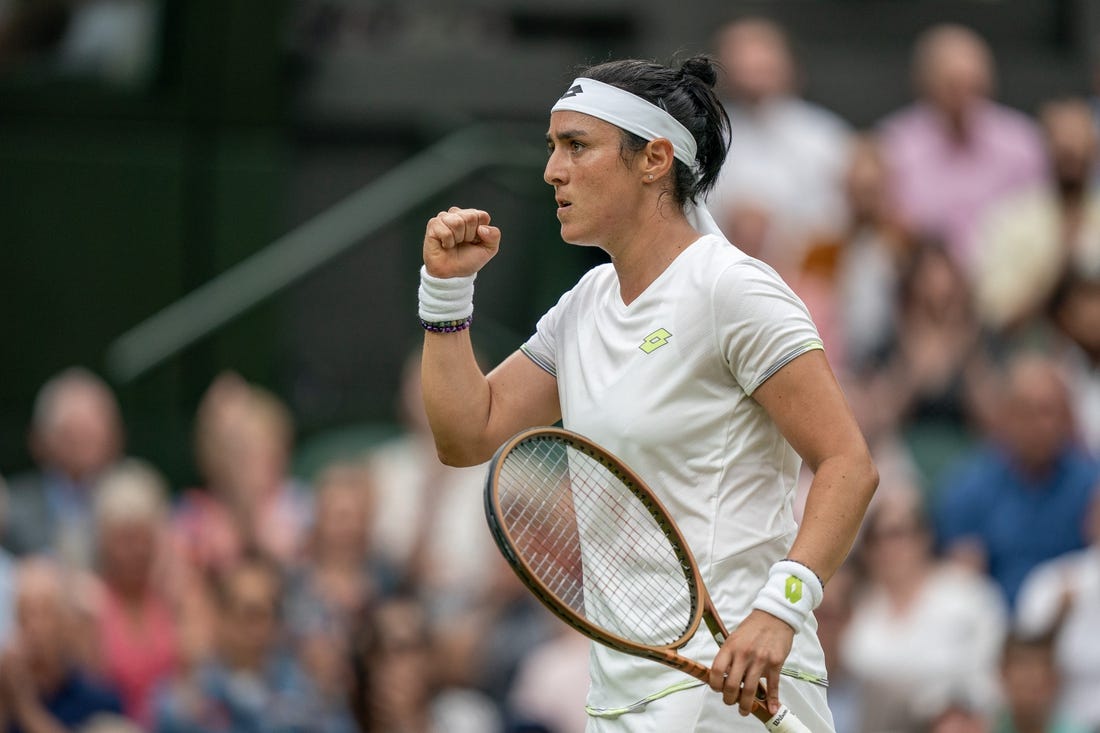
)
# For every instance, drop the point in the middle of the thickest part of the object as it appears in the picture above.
(785, 722)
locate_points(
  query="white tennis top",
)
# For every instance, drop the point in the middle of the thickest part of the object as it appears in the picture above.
(665, 383)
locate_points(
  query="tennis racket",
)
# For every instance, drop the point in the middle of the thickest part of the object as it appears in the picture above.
(592, 542)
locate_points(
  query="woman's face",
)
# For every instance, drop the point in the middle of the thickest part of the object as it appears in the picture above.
(596, 191)
(127, 551)
(895, 544)
(342, 516)
(249, 619)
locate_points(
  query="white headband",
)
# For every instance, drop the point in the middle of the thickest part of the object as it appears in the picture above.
(630, 112)
(645, 119)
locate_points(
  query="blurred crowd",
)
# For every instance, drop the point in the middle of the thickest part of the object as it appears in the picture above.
(950, 254)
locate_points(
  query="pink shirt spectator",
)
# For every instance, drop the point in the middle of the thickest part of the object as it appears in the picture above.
(138, 653)
(207, 536)
(942, 185)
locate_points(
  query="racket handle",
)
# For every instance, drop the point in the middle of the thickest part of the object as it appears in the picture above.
(785, 722)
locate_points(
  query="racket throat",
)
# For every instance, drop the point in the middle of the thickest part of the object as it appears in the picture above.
(717, 632)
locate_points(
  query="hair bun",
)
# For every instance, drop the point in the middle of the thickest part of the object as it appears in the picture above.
(701, 68)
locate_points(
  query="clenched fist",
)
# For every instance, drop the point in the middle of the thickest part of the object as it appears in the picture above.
(458, 242)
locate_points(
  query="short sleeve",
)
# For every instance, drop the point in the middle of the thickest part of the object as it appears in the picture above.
(541, 348)
(761, 325)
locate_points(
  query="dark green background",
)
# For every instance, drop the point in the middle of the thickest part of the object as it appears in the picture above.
(113, 203)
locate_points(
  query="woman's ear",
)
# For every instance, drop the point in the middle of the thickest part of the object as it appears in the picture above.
(657, 159)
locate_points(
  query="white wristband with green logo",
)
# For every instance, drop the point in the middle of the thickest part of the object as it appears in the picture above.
(791, 594)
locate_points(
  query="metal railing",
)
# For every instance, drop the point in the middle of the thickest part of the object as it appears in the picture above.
(315, 242)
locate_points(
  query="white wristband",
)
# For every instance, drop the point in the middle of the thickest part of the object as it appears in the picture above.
(791, 594)
(445, 298)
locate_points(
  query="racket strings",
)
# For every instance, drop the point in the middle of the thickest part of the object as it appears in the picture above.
(593, 543)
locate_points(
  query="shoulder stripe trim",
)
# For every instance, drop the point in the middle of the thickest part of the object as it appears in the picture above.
(812, 345)
(539, 362)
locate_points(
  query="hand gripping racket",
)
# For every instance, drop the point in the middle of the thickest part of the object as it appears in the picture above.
(592, 542)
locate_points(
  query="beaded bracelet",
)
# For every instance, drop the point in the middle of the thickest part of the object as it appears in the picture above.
(819, 580)
(447, 326)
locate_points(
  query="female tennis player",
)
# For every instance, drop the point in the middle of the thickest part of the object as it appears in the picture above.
(692, 362)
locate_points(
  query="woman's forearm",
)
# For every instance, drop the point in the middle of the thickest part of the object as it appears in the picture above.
(457, 397)
(842, 488)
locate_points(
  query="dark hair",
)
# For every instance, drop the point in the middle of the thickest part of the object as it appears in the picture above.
(368, 642)
(686, 93)
(925, 248)
(1074, 280)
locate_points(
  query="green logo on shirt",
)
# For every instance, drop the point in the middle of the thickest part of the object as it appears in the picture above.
(655, 340)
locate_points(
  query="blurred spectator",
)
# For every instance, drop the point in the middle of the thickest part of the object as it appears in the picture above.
(397, 685)
(137, 623)
(1029, 239)
(76, 435)
(430, 519)
(921, 629)
(7, 577)
(1020, 498)
(1075, 310)
(864, 274)
(935, 369)
(955, 151)
(934, 358)
(873, 398)
(850, 280)
(1060, 598)
(205, 528)
(782, 177)
(551, 684)
(250, 682)
(244, 436)
(42, 686)
(339, 577)
(249, 505)
(871, 260)
(846, 697)
(339, 573)
(483, 644)
(1031, 686)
